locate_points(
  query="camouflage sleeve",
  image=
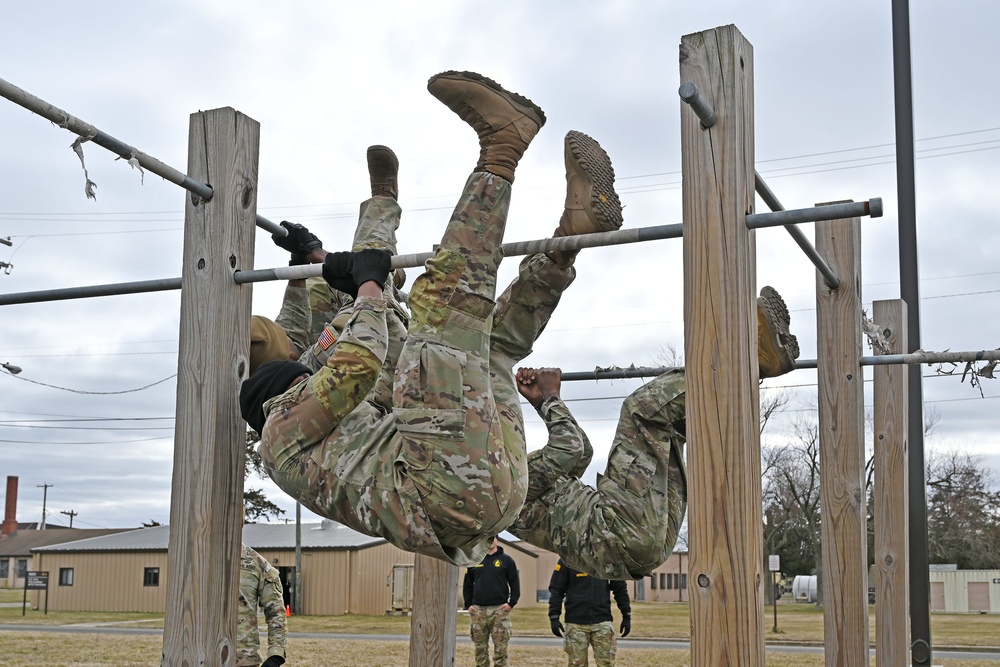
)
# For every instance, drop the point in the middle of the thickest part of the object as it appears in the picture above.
(296, 317)
(568, 447)
(272, 602)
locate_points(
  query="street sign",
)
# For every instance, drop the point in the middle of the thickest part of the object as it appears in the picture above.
(774, 563)
(36, 581)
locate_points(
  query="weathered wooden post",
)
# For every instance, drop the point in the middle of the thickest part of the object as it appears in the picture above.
(720, 334)
(435, 612)
(842, 448)
(892, 578)
(207, 487)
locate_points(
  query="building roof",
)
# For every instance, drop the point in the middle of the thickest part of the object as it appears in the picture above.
(324, 535)
(23, 541)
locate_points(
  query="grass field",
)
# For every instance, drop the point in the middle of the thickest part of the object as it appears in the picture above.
(796, 623)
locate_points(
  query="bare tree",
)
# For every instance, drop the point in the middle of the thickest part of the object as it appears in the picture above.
(963, 512)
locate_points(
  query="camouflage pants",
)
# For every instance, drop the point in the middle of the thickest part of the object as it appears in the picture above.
(628, 524)
(487, 623)
(444, 466)
(599, 635)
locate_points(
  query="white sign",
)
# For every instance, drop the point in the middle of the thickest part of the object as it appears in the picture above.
(774, 563)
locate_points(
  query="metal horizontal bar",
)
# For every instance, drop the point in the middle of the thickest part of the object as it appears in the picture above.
(67, 293)
(692, 96)
(829, 275)
(872, 207)
(514, 249)
(119, 148)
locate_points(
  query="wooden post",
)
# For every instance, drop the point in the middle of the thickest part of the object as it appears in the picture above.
(842, 451)
(207, 487)
(435, 612)
(720, 333)
(892, 579)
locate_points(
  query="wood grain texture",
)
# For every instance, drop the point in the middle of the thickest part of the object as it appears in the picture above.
(720, 333)
(207, 485)
(842, 451)
(891, 416)
(435, 612)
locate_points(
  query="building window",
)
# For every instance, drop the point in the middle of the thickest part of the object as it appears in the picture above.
(670, 582)
(684, 580)
(663, 580)
(4, 568)
(65, 576)
(22, 568)
(151, 576)
(652, 581)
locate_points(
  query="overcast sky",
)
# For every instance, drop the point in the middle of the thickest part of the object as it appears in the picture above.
(92, 413)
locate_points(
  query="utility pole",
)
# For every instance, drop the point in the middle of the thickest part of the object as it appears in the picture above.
(70, 514)
(45, 498)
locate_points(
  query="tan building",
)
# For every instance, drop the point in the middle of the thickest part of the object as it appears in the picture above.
(16, 547)
(343, 571)
(973, 591)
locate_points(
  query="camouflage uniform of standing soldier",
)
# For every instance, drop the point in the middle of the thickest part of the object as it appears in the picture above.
(259, 587)
(444, 466)
(490, 591)
(588, 614)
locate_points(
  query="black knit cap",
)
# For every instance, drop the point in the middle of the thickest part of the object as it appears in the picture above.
(267, 382)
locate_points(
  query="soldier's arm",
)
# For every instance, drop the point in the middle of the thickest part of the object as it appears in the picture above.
(620, 590)
(514, 582)
(296, 316)
(272, 602)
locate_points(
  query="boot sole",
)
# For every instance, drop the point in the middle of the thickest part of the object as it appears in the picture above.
(586, 157)
(519, 102)
(777, 318)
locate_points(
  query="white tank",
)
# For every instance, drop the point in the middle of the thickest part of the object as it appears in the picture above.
(804, 588)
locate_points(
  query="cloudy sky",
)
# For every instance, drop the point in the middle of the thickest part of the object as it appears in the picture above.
(92, 413)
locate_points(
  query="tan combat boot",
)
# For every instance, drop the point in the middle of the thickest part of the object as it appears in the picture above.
(505, 122)
(592, 205)
(777, 348)
(382, 169)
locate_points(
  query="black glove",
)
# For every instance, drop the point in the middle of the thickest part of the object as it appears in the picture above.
(626, 626)
(300, 242)
(273, 661)
(372, 264)
(557, 627)
(337, 269)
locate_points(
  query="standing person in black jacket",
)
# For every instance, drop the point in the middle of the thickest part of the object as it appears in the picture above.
(588, 614)
(491, 589)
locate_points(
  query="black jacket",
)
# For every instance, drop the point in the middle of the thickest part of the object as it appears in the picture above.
(493, 582)
(588, 599)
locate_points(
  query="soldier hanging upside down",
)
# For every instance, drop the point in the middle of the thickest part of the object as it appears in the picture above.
(413, 431)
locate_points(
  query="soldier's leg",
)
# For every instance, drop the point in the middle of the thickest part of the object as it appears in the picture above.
(524, 309)
(500, 632)
(576, 644)
(480, 633)
(602, 638)
(453, 446)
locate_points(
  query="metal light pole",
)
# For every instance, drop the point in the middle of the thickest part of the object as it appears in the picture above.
(10, 368)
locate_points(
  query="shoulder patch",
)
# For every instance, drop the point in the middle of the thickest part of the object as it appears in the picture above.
(558, 567)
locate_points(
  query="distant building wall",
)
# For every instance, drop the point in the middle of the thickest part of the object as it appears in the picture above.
(965, 591)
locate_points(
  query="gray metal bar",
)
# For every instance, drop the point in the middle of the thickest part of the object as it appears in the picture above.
(119, 148)
(872, 207)
(909, 291)
(829, 275)
(689, 94)
(514, 249)
(112, 289)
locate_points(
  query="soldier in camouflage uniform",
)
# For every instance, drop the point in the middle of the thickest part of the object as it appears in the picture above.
(588, 614)
(628, 525)
(259, 587)
(444, 467)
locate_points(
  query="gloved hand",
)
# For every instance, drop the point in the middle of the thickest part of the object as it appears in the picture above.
(300, 242)
(273, 661)
(337, 272)
(557, 627)
(626, 626)
(371, 264)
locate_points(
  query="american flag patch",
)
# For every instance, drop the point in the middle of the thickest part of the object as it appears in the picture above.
(327, 338)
